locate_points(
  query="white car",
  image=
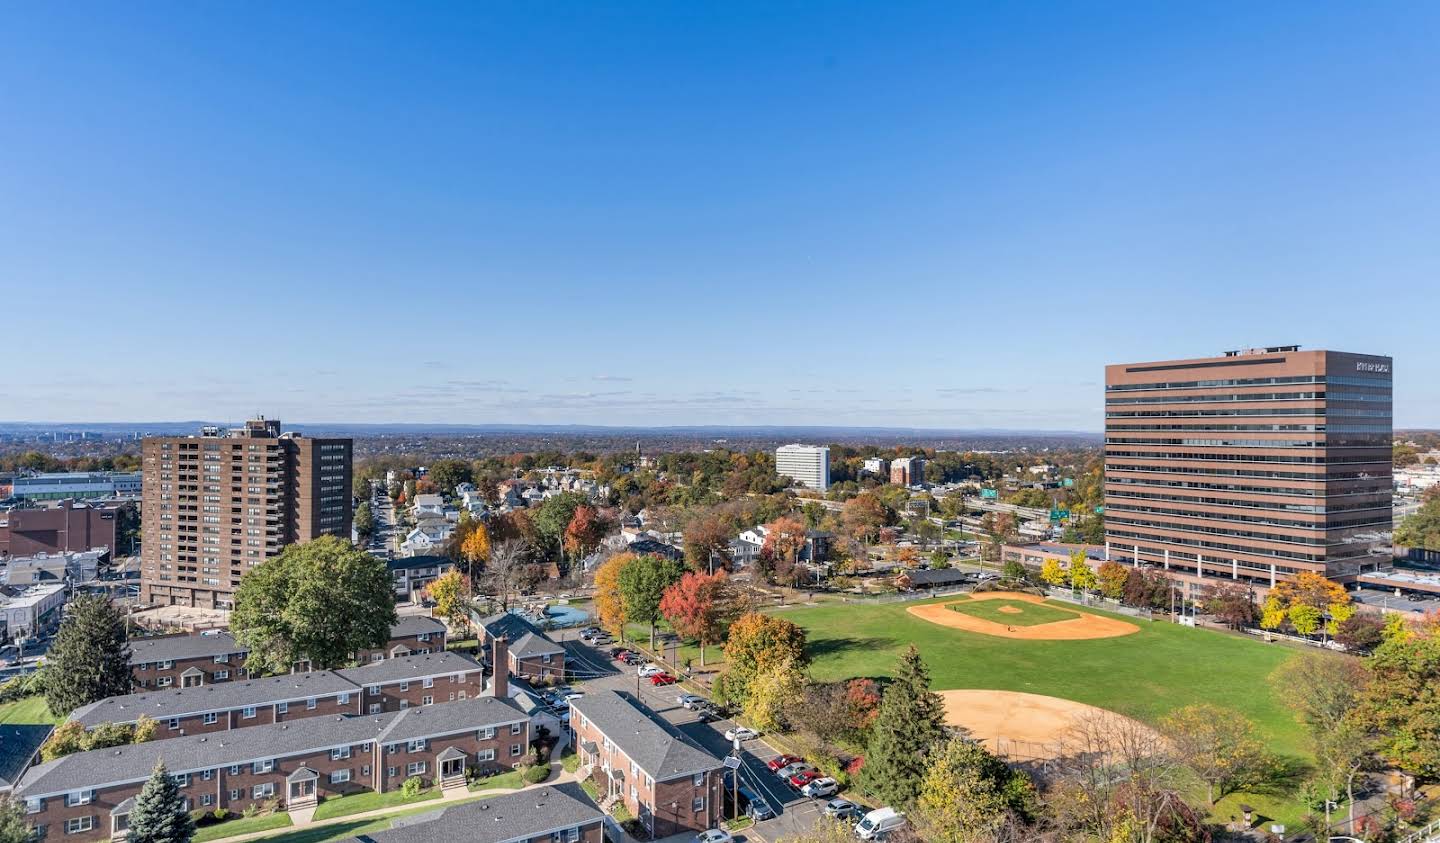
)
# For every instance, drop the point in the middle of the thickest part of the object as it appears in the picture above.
(714, 835)
(741, 733)
(823, 786)
(689, 700)
(649, 669)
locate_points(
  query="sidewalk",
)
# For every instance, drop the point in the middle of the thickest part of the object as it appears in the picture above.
(302, 818)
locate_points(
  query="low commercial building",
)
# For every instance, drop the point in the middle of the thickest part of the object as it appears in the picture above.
(81, 485)
(89, 795)
(35, 608)
(530, 652)
(670, 785)
(391, 685)
(53, 568)
(558, 814)
(66, 526)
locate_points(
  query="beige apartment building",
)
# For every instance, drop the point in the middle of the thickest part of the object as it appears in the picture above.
(1251, 466)
(217, 504)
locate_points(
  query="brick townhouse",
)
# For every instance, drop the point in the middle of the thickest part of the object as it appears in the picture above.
(411, 635)
(557, 814)
(89, 795)
(672, 786)
(533, 654)
(391, 685)
(185, 661)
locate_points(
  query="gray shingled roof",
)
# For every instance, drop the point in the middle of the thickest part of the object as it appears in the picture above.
(409, 668)
(176, 647)
(525, 638)
(527, 814)
(415, 625)
(221, 696)
(192, 753)
(640, 735)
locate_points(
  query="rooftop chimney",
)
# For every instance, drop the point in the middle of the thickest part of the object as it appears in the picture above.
(500, 663)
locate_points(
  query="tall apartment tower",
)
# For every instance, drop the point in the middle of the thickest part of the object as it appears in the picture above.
(1251, 467)
(807, 465)
(217, 504)
(907, 471)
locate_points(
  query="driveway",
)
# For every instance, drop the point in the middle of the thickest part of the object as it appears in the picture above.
(795, 814)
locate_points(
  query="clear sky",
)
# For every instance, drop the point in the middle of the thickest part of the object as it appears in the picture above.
(890, 213)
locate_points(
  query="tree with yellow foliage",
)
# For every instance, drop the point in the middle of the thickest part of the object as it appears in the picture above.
(1053, 573)
(476, 548)
(609, 604)
(1082, 576)
(450, 592)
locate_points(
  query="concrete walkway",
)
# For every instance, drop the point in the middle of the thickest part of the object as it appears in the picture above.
(303, 818)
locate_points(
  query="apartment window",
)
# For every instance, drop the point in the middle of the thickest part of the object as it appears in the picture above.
(235, 771)
(310, 704)
(79, 825)
(514, 728)
(427, 700)
(697, 804)
(282, 708)
(248, 712)
(342, 699)
(487, 733)
(365, 771)
(173, 723)
(485, 755)
(545, 658)
(416, 745)
(262, 791)
(165, 665)
(235, 795)
(415, 768)
(514, 749)
(572, 835)
(337, 754)
(404, 686)
(390, 771)
(221, 675)
(699, 779)
(373, 690)
(164, 682)
(375, 708)
(262, 766)
(222, 658)
(404, 704)
(339, 776)
(78, 797)
(34, 806)
(207, 775)
(427, 683)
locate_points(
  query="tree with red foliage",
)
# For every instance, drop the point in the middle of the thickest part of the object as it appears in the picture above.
(585, 531)
(784, 538)
(864, 698)
(700, 606)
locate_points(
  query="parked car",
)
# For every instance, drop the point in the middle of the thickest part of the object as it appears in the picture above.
(774, 764)
(817, 788)
(799, 780)
(741, 733)
(707, 716)
(689, 700)
(663, 679)
(756, 807)
(791, 769)
(843, 809)
(713, 835)
(879, 823)
(602, 640)
(618, 652)
(590, 630)
(649, 669)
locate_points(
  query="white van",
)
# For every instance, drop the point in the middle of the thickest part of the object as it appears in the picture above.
(879, 822)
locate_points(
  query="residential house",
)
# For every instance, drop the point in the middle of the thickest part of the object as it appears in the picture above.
(411, 574)
(411, 635)
(427, 538)
(670, 785)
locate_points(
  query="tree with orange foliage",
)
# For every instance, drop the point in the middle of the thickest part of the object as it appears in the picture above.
(700, 606)
(584, 532)
(784, 538)
(609, 605)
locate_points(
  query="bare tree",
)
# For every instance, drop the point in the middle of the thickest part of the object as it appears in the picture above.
(508, 571)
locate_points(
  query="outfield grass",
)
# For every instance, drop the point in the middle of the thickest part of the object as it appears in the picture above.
(358, 803)
(1161, 668)
(27, 710)
(241, 825)
(1022, 613)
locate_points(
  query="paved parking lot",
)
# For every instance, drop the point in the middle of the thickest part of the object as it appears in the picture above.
(593, 668)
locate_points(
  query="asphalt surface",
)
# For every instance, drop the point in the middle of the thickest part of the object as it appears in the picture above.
(592, 669)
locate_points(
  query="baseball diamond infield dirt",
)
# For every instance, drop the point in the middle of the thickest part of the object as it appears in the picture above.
(1087, 626)
(1021, 726)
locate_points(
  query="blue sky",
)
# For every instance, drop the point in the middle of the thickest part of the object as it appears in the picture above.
(912, 214)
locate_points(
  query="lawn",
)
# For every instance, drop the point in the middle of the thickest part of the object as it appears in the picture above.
(27, 710)
(356, 803)
(1145, 675)
(241, 825)
(1020, 612)
(354, 828)
(513, 780)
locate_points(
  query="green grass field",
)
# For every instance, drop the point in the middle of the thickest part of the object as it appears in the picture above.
(27, 710)
(1021, 612)
(1146, 675)
(358, 803)
(241, 825)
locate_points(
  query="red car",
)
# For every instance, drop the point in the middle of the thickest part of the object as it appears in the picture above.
(799, 780)
(662, 679)
(782, 761)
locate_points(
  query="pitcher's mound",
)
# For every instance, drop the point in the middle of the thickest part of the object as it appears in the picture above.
(1083, 627)
(1010, 610)
(1024, 726)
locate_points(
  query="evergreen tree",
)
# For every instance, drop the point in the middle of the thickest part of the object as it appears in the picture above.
(909, 724)
(90, 659)
(159, 815)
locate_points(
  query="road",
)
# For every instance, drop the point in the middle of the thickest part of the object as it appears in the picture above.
(385, 540)
(593, 669)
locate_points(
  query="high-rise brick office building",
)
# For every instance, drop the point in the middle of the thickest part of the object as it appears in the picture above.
(217, 504)
(1251, 466)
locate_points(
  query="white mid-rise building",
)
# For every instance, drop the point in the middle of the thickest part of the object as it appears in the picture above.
(807, 465)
